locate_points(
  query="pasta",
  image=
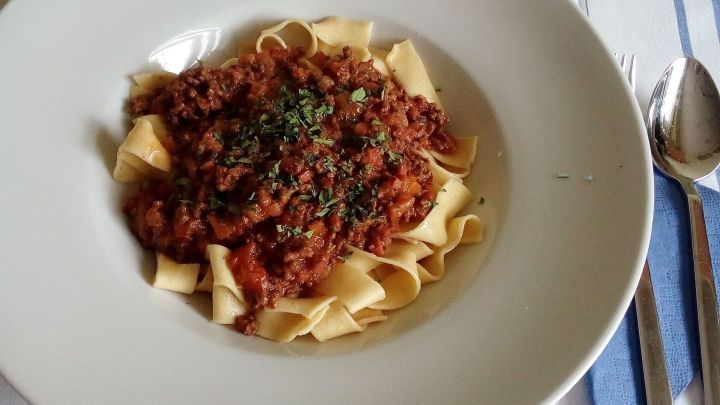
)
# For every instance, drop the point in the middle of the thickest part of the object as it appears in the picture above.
(365, 283)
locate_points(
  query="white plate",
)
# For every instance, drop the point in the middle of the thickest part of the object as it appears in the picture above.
(517, 319)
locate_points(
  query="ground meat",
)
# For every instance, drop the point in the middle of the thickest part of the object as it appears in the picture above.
(287, 167)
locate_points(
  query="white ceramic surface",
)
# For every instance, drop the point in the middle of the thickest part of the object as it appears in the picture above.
(80, 323)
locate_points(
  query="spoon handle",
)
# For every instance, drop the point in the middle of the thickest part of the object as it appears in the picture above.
(707, 310)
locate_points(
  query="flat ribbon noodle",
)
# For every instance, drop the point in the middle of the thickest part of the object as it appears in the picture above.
(159, 128)
(229, 62)
(291, 36)
(228, 301)
(147, 83)
(462, 157)
(368, 315)
(379, 56)
(334, 33)
(292, 317)
(206, 283)
(173, 276)
(410, 72)
(441, 174)
(142, 151)
(336, 322)
(432, 229)
(352, 287)
(402, 286)
(338, 32)
(361, 53)
(464, 229)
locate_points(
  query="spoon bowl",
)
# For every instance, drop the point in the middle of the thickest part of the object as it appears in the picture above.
(684, 122)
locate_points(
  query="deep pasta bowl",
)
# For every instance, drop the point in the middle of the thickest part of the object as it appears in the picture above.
(562, 183)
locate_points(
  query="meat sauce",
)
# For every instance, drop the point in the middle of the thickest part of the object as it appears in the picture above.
(287, 165)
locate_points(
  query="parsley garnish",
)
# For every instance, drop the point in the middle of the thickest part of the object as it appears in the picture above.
(308, 234)
(346, 166)
(231, 160)
(275, 171)
(328, 164)
(359, 96)
(323, 212)
(218, 136)
(324, 141)
(294, 231)
(345, 256)
(235, 209)
(394, 156)
(376, 122)
(215, 203)
(326, 202)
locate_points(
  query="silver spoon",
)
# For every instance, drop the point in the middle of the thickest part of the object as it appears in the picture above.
(684, 130)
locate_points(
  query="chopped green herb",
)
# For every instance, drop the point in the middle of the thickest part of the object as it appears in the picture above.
(275, 171)
(346, 166)
(294, 231)
(308, 234)
(442, 190)
(328, 164)
(376, 122)
(359, 96)
(431, 204)
(323, 212)
(235, 209)
(223, 87)
(305, 197)
(215, 203)
(438, 90)
(218, 136)
(310, 158)
(394, 156)
(482, 201)
(324, 141)
(231, 160)
(345, 256)
(251, 199)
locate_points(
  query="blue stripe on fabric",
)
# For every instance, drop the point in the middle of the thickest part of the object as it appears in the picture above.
(716, 10)
(683, 28)
(616, 377)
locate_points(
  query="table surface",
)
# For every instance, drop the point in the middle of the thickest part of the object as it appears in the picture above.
(657, 31)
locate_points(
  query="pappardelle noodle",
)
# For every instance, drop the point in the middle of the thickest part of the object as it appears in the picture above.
(309, 186)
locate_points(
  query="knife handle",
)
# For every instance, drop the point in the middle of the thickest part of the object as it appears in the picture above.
(657, 386)
(706, 299)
